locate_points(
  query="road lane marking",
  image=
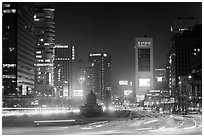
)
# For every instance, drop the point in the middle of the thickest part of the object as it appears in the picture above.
(99, 125)
(86, 128)
(50, 121)
(151, 121)
(181, 124)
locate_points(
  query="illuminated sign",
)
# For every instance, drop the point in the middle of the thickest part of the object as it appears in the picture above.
(65, 91)
(127, 92)
(140, 97)
(123, 82)
(143, 43)
(154, 90)
(73, 53)
(96, 54)
(78, 93)
(144, 82)
(159, 79)
(50, 78)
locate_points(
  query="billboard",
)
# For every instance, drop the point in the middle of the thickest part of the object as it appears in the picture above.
(78, 93)
(144, 82)
(123, 82)
(127, 92)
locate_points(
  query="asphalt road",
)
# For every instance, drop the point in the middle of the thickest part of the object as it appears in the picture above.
(147, 125)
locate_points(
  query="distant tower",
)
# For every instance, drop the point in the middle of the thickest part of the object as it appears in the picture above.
(64, 68)
(101, 62)
(144, 66)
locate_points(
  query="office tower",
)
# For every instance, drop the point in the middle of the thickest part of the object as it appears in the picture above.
(9, 53)
(186, 46)
(144, 66)
(18, 53)
(101, 62)
(18, 49)
(25, 49)
(64, 63)
(87, 79)
(44, 35)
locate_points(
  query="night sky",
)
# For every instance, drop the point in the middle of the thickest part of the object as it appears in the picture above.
(114, 27)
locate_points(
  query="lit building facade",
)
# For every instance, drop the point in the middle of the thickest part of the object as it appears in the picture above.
(64, 65)
(101, 62)
(44, 34)
(144, 78)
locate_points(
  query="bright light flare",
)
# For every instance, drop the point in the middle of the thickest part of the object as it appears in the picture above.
(76, 110)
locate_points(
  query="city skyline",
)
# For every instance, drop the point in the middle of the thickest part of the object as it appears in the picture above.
(114, 26)
(108, 68)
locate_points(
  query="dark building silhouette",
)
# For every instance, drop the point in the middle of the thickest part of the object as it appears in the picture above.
(18, 53)
(9, 54)
(186, 46)
(18, 49)
(101, 62)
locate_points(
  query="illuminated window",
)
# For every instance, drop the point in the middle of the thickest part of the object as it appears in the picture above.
(38, 52)
(9, 76)
(46, 44)
(78, 93)
(159, 79)
(41, 39)
(6, 5)
(9, 11)
(47, 60)
(11, 48)
(143, 59)
(39, 56)
(144, 82)
(9, 65)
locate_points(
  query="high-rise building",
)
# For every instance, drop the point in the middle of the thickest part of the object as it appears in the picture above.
(186, 46)
(18, 53)
(144, 78)
(64, 69)
(101, 62)
(87, 79)
(44, 34)
(26, 49)
(18, 49)
(9, 53)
